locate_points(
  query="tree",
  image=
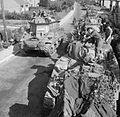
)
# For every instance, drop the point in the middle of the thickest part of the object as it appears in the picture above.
(43, 3)
(55, 5)
(60, 4)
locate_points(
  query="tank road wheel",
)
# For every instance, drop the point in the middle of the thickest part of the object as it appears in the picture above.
(51, 51)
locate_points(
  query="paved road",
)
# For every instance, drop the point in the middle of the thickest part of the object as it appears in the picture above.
(15, 75)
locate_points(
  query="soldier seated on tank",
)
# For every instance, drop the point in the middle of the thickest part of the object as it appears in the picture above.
(76, 33)
(43, 14)
(39, 13)
(95, 38)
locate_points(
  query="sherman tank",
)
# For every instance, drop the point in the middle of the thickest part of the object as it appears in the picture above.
(44, 35)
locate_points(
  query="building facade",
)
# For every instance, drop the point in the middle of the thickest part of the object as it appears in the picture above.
(17, 5)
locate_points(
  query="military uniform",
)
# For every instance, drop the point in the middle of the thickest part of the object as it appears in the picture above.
(95, 38)
(108, 34)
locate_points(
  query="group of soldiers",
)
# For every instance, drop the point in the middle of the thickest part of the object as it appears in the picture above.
(108, 35)
(39, 14)
(43, 14)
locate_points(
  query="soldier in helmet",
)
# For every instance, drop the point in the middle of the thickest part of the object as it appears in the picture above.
(34, 15)
(76, 33)
(95, 38)
(39, 13)
(42, 14)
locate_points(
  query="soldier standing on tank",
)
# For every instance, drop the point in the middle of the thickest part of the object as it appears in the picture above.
(34, 15)
(39, 13)
(42, 14)
(102, 24)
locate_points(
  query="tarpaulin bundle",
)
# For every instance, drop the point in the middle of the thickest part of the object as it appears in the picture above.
(83, 92)
(84, 88)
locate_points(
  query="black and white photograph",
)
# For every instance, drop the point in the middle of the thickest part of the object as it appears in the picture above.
(59, 58)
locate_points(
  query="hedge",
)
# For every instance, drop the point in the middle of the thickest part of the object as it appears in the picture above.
(16, 16)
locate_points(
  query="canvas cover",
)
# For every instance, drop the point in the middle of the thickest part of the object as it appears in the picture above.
(84, 86)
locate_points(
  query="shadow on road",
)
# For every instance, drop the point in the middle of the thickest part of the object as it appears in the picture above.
(36, 91)
(19, 110)
(32, 53)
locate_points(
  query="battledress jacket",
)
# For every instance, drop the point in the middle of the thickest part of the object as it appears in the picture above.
(95, 38)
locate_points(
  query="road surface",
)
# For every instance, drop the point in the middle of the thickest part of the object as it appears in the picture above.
(22, 74)
(15, 76)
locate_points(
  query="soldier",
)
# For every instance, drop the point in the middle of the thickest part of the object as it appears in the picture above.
(42, 14)
(102, 23)
(108, 33)
(95, 38)
(34, 15)
(39, 13)
(75, 33)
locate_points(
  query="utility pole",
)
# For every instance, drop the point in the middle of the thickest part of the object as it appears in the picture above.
(4, 24)
(34, 3)
(111, 4)
(100, 2)
(103, 2)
